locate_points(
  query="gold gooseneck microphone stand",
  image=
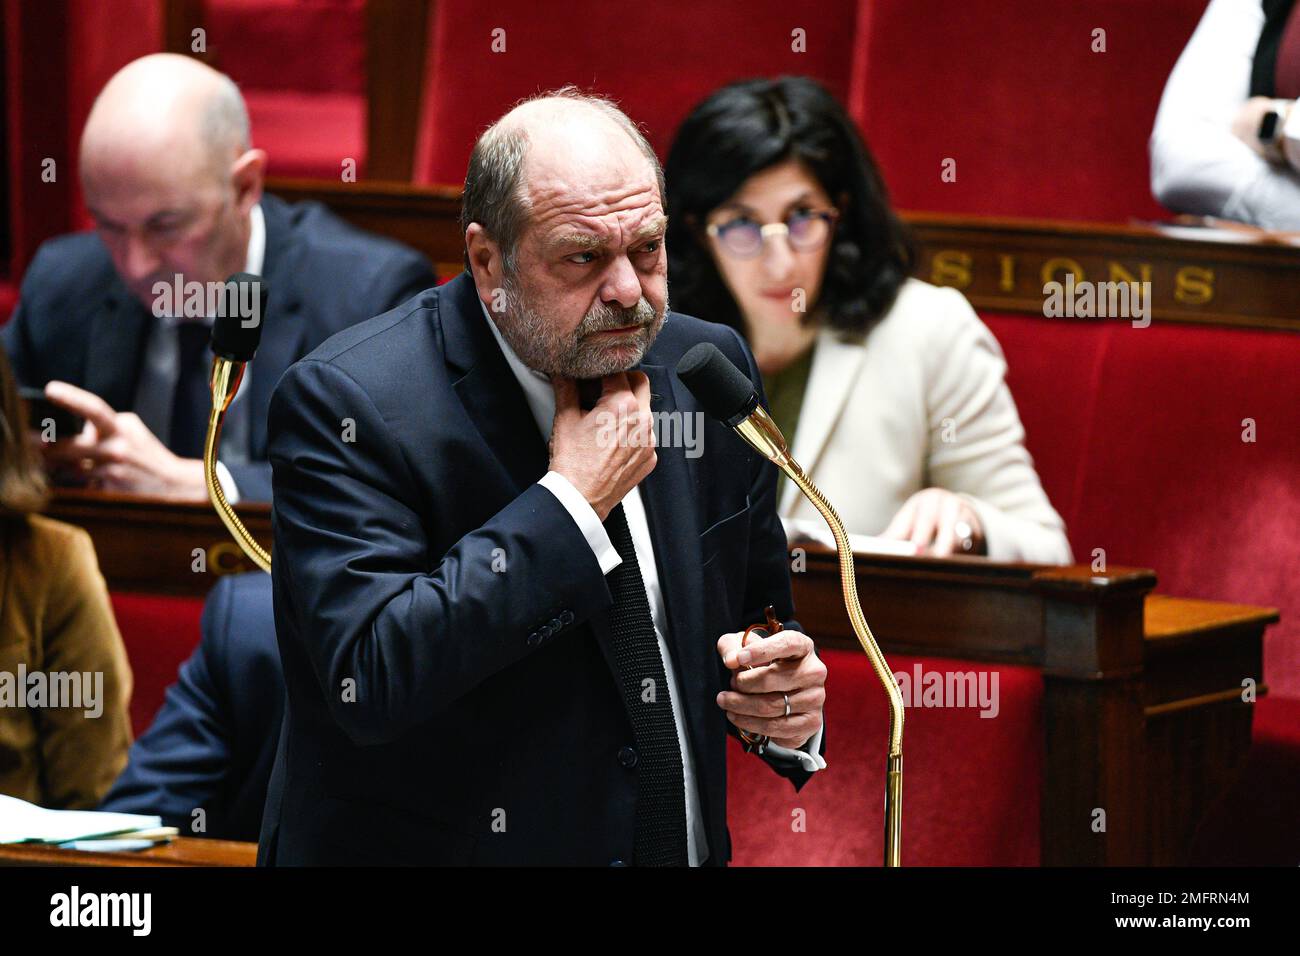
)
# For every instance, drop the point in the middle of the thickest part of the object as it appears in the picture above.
(730, 397)
(236, 331)
(761, 432)
(226, 376)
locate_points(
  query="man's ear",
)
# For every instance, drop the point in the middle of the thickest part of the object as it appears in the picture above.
(248, 175)
(484, 256)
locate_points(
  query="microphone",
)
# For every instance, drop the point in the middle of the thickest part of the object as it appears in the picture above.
(236, 332)
(724, 390)
(729, 396)
(237, 329)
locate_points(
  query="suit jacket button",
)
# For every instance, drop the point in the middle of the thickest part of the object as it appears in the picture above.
(545, 631)
(566, 618)
(627, 756)
(534, 639)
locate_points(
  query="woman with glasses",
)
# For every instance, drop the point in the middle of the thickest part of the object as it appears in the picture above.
(890, 390)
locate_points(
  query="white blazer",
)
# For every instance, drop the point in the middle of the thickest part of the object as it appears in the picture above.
(922, 402)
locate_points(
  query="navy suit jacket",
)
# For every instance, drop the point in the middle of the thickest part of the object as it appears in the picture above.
(212, 743)
(443, 625)
(77, 322)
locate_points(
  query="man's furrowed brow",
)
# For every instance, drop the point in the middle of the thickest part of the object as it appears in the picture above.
(579, 241)
(649, 230)
(590, 242)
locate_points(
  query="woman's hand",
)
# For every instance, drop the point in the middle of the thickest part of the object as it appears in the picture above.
(938, 522)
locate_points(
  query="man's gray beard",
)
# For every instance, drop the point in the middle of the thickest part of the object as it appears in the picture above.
(574, 354)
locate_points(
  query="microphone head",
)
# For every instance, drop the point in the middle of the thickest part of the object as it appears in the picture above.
(724, 390)
(237, 330)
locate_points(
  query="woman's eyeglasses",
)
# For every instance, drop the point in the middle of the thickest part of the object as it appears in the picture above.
(806, 231)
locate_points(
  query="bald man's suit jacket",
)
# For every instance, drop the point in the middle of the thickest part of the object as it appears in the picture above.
(443, 624)
(77, 322)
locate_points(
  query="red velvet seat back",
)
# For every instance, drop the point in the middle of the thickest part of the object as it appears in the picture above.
(970, 783)
(301, 65)
(1138, 436)
(159, 632)
(658, 60)
(308, 46)
(1039, 125)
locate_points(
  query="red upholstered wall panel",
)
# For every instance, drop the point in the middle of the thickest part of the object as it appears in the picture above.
(59, 54)
(1039, 124)
(1137, 434)
(308, 46)
(1172, 484)
(658, 60)
(970, 783)
(301, 65)
(102, 38)
(1052, 368)
(160, 632)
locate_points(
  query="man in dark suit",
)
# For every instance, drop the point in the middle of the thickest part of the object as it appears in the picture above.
(500, 653)
(211, 746)
(109, 323)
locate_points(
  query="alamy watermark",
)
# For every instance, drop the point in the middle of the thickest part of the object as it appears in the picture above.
(1100, 300)
(75, 690)
(208, 300)
(74, 908)
(675, 429)
(923, 688)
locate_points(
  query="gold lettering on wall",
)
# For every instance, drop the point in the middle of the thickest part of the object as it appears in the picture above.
(991, 274)
(1062, 264)
(1194, 285)
(951, 267)
(224, 557)
(1007, 278)
(1119, 274)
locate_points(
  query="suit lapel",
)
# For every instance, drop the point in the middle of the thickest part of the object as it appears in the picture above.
(835, 368)
(285, 328)
(488, 390)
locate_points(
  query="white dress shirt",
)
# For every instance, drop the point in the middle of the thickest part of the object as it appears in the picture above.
(161, 370)
(1197, 164)
(541, 402)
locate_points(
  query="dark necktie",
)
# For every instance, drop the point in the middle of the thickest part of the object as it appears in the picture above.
(660, 790)
(192, 400)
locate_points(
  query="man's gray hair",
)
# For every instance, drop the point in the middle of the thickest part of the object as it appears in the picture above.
(494, 196)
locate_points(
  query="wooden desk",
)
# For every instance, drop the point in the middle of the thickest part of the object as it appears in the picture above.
(1142, 693)
(183, 851)
(147, 545)
(1143, 710)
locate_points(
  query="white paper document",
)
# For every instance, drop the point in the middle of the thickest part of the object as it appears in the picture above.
(22, 822)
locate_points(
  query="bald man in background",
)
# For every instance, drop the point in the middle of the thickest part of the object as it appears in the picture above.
(175, 190)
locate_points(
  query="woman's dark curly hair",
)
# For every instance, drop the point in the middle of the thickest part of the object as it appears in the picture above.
(743, 129)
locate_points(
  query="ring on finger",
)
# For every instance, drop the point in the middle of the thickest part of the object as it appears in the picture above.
(965, 534)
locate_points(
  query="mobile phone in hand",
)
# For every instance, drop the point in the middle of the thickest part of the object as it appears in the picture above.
(41, 412)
